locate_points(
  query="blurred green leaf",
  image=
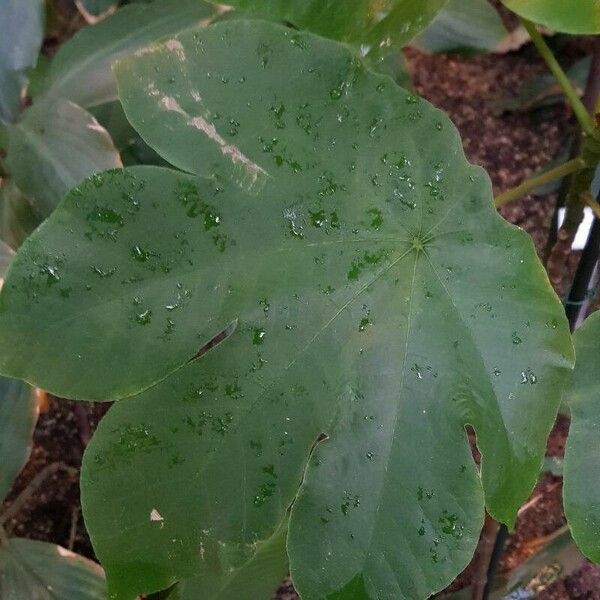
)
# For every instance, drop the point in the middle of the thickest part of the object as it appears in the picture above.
(97, 7)
(32, 570)
(555, 558)
(131, 147)
(582, 457)
(553, 465)
(22, 23)
(54, 147)
(543, 90)
(568, 16)
(18, 218)
(374, 26)
(81, 70)
(463, 25)
(18, 415)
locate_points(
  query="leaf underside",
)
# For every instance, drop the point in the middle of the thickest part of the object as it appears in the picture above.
(581, 465)
(379, 300)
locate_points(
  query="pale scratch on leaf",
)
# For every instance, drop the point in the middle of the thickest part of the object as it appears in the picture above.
(237, 157)
(147, 50)
(176, 47)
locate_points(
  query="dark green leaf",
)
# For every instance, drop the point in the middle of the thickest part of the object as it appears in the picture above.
(18, 218)
(81, 70)
(39, 571)
(582, 457)
(53, 147)
(582, 16)
(463, 25)
(18, 413)
(131, 147)
(543, 90)
(22, 23)
(375, 26)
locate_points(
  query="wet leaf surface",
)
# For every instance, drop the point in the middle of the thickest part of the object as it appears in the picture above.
(378, 299)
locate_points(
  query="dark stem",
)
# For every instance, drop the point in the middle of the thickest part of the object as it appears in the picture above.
(484, 557)
(579, 294)
(495, 560)
(590, 94)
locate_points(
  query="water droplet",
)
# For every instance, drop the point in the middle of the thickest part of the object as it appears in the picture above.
(417, 371)
(258, 336)
(144, 318)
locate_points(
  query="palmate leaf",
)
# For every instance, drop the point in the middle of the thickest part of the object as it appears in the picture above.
(580, 17)
(378, 299)
(375, 26)
(581, 465)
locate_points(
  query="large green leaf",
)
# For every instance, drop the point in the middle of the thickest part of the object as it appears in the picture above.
(81, 70)
(53, 147)
(18, 413)
(22, 26)
(374, 25)
(39, 571)
(379, 300)
(580, 16)
(463, 25)
(582, 457)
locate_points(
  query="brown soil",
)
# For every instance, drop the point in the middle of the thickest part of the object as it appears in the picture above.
(511, 147)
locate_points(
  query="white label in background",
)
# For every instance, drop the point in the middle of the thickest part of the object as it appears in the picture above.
(584, 229)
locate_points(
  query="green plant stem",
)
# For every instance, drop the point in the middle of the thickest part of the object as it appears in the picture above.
(583, 116)
(581, 184)
(572, 166)
(589, 200)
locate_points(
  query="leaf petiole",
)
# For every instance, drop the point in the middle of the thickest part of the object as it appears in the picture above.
(582, 114)
(572, 166)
